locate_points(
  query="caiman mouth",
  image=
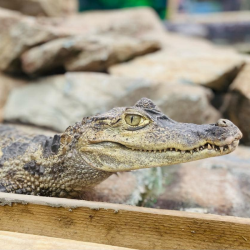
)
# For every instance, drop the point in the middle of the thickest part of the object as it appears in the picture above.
(114, 156)
(208, 146)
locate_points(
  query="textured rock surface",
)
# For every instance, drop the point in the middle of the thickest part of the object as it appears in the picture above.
(123, 188)
(56, 102)
(239, 104)
(17, 34)
(42, 7)
(6, 85)
(136, 22)
(185, 102)
(212, 68)
(59, 101)
(217, 185)
(84, 53)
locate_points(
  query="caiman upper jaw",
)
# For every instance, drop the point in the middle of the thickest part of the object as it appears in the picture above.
(222, 136)
(209, 146)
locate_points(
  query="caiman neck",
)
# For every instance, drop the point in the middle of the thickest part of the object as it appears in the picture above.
(68, 171)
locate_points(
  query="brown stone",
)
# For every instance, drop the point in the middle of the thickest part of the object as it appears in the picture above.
(123, 188)
(239, 105)
(84, 53)
(217, 185)
(212, 68)
(58, 101)
(18, 33)
(136, 22)
(185, 103)
(6, 85)
(62, 100)
(42, 7)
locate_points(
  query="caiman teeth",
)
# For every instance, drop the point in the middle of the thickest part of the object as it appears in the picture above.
(208, 146)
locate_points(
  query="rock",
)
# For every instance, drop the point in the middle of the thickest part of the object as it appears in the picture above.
(217, 185)
(42, 7)
(6, 85)
(32, 130)
(18, 33)
(187, 29)
(239, 105)
(84, 53)
(50, 56)
(106, 51)
(213, 68)
(59, 101)
(123, 188)
(135, 22)
(185, 103)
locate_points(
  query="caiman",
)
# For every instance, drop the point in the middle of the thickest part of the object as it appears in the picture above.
(88, 152)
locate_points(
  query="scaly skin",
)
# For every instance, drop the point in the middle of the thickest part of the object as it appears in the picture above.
(89, 152)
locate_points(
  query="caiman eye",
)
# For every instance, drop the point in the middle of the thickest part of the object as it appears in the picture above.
(134, 120)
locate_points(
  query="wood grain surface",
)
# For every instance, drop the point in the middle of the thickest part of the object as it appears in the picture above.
(121, 225)
(18, 241)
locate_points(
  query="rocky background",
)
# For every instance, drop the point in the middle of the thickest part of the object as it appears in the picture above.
(58, 66)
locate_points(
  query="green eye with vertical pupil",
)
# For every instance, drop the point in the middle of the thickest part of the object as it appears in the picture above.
(133, 120)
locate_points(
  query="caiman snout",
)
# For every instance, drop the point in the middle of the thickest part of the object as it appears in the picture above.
(226, 123)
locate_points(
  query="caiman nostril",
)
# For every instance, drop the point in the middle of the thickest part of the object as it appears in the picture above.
(223, 123)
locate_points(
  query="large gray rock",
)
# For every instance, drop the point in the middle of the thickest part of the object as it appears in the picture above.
(6, 85)
(217, 185)
(211, 68)
(17, 34)
(59, 101)
(239, 104)
(185, 102)
(84, 53)
(56, 102)
(42, 7)
(123, 188)
(136, 22)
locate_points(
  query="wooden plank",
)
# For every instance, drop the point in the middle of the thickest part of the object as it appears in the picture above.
(18, 241)
(121, 225)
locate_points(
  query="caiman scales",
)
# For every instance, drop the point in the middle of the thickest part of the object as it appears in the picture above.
(87, 153)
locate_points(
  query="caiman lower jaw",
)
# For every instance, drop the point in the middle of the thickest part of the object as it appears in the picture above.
(208, 146)
(116, 157)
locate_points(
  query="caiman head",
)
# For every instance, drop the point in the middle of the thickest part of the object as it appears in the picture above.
(143, 137)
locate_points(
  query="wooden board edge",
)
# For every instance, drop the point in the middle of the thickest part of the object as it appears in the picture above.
(121, 225)
(20, 241)
(9, 199)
